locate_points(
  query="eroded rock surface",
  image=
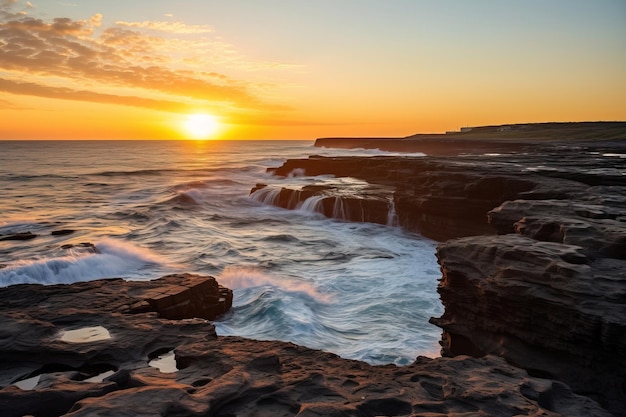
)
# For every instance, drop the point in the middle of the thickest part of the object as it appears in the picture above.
(549, 294)
(539, 277)
(35, 319)
(110, 375)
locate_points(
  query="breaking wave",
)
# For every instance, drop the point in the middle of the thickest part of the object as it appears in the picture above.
(113, 258)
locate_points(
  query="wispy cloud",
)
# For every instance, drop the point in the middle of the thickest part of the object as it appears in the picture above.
(169, 27)
(66, 93)
(146, 58)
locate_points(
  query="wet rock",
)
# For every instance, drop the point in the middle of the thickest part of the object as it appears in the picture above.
(84, 246)
(226, 376)
(184, 296)
(18, 236)
(370, 205)
(62, 232)
(544, 306)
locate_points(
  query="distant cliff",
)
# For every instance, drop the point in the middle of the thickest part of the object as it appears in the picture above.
(481, 139)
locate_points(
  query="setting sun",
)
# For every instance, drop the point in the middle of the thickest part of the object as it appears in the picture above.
(201, 126)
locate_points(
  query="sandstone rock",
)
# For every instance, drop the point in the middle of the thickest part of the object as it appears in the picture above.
(227, 376)
(33, 317)
(184, 296)
(544, 306)
(595, 227)
(438, 198)
(372, 205)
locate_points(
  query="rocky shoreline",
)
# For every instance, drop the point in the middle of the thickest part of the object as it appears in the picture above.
(534, 254)
(533, 260)
(109, 368)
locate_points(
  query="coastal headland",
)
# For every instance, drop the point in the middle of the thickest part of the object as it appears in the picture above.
(532, 232)
(487, 139)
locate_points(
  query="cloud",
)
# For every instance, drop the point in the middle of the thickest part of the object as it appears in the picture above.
(147, 58)
(65, 93)
(6, 104)
(169, 27)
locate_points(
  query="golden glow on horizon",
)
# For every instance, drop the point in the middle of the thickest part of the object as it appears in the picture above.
(90, 70)
(200, 126)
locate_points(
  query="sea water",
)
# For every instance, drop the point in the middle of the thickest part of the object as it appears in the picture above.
(364, 291)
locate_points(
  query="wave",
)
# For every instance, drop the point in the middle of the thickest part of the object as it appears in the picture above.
(236, 278)
(206, 183)
(22, 177)
(197, 192)
(138, 172)
(284, 238)
(114, 258)
(356, 320)
(16, 225)
(271, 308)
(365, 152)
(188, 197)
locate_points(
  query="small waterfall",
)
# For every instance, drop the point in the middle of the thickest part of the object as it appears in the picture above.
(294, 200)
(392, 216)
(266, 195)
(339, 211)
(313, 204)
(362, 210)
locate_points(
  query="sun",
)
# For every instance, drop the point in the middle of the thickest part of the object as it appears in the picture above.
(201, 125)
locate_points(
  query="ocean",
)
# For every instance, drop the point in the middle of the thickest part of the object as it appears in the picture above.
(363, 291)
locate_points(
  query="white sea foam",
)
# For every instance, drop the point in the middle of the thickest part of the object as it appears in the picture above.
(364, 152)
(266, 195)
(115, 259)
(363, 291)
(312, 204)
(378, 288)
(297, 172)
(238, 278)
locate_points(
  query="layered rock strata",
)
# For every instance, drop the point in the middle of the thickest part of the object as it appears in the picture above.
(550, 297)
(48, 368)
(535, 268)
(441, 198)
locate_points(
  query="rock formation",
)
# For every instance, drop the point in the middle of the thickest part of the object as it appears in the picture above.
(549, 297)
(89, 349)
(535, 270)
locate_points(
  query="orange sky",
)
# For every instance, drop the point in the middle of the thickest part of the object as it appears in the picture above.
(292, 69)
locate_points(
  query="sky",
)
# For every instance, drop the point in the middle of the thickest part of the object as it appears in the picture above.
(296, 69)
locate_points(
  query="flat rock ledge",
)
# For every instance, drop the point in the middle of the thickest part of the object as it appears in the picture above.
(106, 371)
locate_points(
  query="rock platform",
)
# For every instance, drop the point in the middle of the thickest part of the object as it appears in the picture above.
(108, 372)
